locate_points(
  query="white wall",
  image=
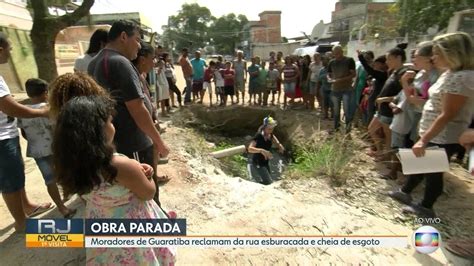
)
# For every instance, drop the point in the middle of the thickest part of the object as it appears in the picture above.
(263, 50)
(378, 47)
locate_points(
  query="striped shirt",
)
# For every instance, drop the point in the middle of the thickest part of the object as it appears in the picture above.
(289, 72)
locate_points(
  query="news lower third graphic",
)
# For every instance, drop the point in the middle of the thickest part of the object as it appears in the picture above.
(426, 239)
(125, 233)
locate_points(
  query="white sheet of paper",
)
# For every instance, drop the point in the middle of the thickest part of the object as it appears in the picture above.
(434, 161)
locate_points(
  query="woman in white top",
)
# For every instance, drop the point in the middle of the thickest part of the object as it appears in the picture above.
(97, 42)
(446, 114)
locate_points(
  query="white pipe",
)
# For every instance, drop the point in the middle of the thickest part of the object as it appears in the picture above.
(228, 152)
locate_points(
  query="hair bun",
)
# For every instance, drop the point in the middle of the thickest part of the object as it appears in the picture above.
(402, 45)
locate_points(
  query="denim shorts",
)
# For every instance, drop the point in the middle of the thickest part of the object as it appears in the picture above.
(384, 119)
(398, 140)
(239, 84)
(313, 88)
(44, 165)
(290, 87)
(12, 169)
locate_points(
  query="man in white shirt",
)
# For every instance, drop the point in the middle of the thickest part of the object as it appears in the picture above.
(12, 174)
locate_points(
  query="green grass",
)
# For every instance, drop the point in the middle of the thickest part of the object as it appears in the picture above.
(329, 158)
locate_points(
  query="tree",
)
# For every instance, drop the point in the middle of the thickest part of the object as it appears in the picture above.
(226, 31)
(46, 27)
(195, 27)
(189, 28)
(416, 16)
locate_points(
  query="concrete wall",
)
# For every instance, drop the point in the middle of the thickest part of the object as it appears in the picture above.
(22, 65)
(15, 16)
(380, 47)
(263, 50)
(73, 42)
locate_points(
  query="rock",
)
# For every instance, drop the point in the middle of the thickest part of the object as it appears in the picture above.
(209, 170)
(248, 137)
(210, 145)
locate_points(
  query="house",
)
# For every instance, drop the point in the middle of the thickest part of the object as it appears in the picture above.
(267, 30)
(359, 19)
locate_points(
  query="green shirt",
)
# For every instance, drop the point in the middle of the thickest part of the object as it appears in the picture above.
(262, 77)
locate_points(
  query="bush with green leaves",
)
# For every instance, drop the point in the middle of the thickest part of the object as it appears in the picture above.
(330, 157)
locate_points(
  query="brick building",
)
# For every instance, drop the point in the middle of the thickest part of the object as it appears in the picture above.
(357, 19)
(267, 30)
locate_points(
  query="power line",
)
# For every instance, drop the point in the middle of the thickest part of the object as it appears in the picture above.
(225, 32)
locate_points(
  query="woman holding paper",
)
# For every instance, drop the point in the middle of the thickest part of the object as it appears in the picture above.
(446, 114)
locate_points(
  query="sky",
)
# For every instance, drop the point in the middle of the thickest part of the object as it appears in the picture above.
(297, 15)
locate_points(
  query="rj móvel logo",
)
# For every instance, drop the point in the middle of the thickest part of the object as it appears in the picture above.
(51, 233)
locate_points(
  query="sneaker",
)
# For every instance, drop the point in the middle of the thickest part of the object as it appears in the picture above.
(401, 196)
(419, 210)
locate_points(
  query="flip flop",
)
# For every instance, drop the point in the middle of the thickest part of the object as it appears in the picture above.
(40, 209)
(163, 160)
(70, 214)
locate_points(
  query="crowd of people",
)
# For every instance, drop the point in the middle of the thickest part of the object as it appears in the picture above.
(95, 132)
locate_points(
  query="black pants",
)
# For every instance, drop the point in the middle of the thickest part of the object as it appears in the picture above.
(174, 89)
(433, 181)
(146, 156)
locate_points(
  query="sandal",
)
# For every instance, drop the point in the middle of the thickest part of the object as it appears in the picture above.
(163, 160)
(40, 209)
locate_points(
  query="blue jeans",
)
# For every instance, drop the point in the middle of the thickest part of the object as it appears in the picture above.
(188, 89)
(12, 169)
(346, 98)
(45, 167)
(326, 98)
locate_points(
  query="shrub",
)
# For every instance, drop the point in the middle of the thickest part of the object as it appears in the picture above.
(330, 157)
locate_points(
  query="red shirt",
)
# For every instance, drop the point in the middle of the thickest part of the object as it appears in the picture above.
(229, 75)
(207, 75)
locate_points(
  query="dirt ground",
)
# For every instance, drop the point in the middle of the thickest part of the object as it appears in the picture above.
(216, 204)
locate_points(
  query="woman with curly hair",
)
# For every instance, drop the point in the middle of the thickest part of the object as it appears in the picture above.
(71, 85)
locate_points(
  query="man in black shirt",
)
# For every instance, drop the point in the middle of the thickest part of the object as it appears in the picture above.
(341, 72)
(112, 69)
